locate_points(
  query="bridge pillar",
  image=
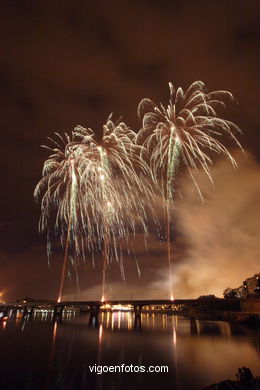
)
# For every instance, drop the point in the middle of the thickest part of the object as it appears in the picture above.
(193, 326)
(93, 316)
(57, 312)
(30, 310)
(138, 310)
(137, 321)
(25, 311)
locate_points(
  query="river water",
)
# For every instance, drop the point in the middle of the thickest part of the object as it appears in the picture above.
(39, 353)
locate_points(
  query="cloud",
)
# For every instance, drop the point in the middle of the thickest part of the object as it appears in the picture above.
(222, 232)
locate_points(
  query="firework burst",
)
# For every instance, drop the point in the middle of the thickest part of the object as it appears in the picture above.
(187, 129)
(96, 191)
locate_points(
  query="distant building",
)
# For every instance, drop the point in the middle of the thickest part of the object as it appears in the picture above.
(252, 285)
(249, 288)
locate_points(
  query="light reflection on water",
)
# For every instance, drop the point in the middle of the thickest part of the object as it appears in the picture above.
(40, 353)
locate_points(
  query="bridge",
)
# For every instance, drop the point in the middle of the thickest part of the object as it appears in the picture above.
(177, 305)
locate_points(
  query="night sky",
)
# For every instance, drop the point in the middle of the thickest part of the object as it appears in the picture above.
(65, 63)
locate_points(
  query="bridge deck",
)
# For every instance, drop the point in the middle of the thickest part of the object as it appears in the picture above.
(134, 302)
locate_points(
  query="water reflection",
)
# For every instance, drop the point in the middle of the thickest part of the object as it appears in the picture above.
(4, 322)
(55, 353)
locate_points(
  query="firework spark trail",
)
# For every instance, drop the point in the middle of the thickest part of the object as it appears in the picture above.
(120, 188)
(97, 191)
(185, 130)
(60, 168)
(105, 217)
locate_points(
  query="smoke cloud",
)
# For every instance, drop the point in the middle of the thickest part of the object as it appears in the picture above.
(223, 232)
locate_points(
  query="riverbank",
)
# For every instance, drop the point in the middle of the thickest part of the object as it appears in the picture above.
(246, 318)
(248, 311)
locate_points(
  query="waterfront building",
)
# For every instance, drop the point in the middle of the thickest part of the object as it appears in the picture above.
(249, 288)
